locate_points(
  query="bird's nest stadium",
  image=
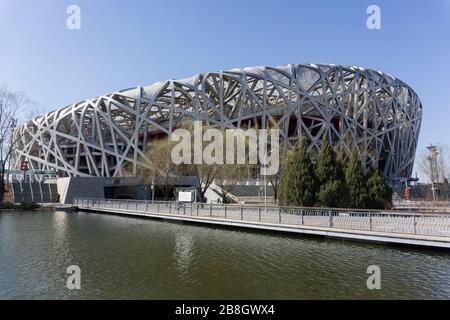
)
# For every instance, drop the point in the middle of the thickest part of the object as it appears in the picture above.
(352, 107)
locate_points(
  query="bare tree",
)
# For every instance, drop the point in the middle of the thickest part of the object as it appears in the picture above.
(228, 174)
(439, 171)
(205, 175)
(13, 106)
(442, 163)
(160, 168)
(274, 180)
(424, 165)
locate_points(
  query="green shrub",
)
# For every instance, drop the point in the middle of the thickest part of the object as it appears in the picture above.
(22, 206)
(7, 205)
(28, 206)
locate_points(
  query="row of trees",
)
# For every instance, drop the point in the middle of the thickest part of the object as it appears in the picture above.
(14, 106)
(164, 172)
(335, 180)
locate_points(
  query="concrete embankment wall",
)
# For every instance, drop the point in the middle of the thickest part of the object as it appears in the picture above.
(345, 234)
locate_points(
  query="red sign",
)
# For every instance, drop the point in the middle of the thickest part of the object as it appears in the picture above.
(24, 165)
(408, 193)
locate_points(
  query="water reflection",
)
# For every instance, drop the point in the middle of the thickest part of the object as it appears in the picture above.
(184, 250)
(60, 222)
(122, 257)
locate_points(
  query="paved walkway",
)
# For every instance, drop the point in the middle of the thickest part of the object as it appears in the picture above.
(430, 231)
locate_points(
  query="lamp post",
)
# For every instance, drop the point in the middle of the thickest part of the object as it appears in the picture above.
(432, 158)
(153, 188)
(265, 181)
(265, 190)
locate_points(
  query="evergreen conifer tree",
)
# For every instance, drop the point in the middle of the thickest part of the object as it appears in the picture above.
(298, 185)
(356, 182)
(379, 193)
(332, 191)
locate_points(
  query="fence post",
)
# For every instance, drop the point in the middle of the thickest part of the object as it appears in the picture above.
(196, 208)
(184, 209)
(146, 207)
(210, 210)
(259, 214)
(414, 223)
(279, 215)
(370, 221)
(225, 211)
(301, 213)
(331, 218)
(157, 208)
(242, 213)
(170, 207)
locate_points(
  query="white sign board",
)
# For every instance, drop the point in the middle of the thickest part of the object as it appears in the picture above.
(185, 196)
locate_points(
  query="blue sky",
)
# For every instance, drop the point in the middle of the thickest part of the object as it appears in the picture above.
(123, 44)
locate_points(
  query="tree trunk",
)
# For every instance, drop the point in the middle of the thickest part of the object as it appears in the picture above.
(202, 194)
(2, 182)
(2, 190)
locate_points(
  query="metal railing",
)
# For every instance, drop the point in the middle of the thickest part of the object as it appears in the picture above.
(431, 224)
(422, 204)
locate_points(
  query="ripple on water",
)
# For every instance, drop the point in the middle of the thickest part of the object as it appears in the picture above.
(122, 257)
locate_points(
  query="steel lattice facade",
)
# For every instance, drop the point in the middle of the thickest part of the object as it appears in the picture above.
(352, 107)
